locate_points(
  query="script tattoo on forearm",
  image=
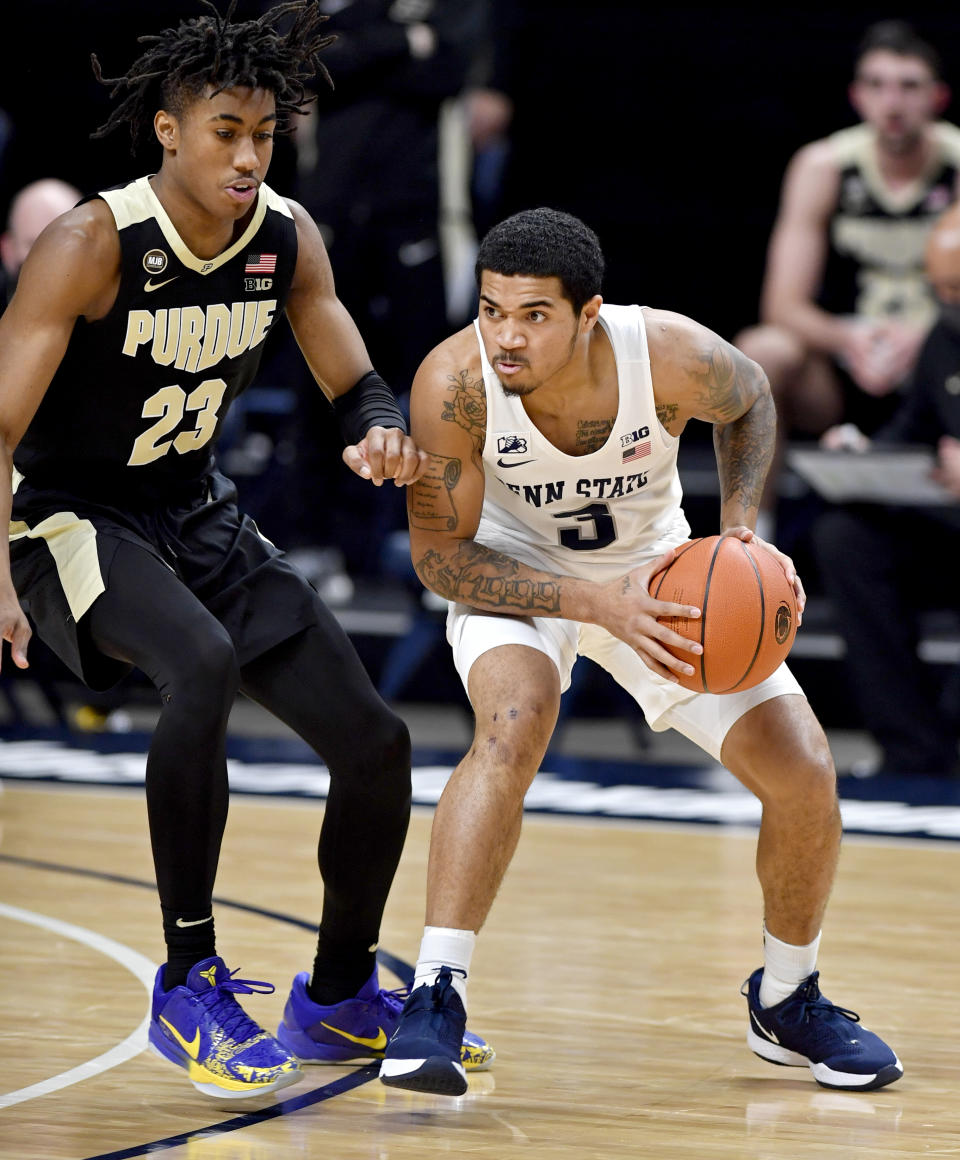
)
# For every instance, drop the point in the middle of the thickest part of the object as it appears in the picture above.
(483, 578)
(467, 408)
(431, 503)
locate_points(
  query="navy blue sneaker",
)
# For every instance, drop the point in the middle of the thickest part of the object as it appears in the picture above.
(356, 1030)
(423, 1054)
(807, 1030)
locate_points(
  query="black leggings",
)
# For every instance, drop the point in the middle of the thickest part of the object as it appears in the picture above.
(315, 683)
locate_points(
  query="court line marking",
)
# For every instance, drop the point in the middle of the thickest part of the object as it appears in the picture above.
(138, 965)
(403, 971)
(285, 1107)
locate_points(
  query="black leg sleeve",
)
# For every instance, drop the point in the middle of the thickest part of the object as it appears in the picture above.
(316, 684)
(150, 619)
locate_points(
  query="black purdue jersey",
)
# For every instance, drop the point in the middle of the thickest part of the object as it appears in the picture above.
(136, 404)
(875, 263)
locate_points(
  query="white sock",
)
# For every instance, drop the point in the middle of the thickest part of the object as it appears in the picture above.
(785, 966)
(444, 946)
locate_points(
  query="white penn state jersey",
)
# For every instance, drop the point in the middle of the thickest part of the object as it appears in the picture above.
(596, 515)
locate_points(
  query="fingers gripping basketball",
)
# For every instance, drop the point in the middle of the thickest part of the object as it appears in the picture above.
(749, 611)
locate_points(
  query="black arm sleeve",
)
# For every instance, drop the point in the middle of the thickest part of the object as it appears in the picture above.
(368, 403)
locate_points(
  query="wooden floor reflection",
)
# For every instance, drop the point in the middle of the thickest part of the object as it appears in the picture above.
(607, 980)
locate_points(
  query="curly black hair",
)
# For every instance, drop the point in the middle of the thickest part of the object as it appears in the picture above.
(545, 243)
(208, 50)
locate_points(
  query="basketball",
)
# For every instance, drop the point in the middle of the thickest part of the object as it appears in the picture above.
(748, 612)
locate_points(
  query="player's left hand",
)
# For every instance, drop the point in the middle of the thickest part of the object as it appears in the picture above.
(386, 453)
(749, 536)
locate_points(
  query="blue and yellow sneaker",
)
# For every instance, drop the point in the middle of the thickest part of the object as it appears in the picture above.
(423, 1054)
(202, 1028)
(807, 1030)
(356, 1030)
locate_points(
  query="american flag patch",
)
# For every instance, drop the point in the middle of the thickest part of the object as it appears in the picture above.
(261, 264)
(637, 451)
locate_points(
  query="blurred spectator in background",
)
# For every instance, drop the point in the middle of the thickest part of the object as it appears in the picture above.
(845, 304)
(368, 173)
(31, 211)
(882, 566)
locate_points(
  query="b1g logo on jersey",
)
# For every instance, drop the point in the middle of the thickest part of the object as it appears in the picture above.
(635, 436)
(511, 445)
(251, 284)
(154, 261)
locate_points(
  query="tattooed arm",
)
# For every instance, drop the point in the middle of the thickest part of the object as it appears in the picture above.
(448, 410)
(696, 375)
(448, 420)
(699, 376)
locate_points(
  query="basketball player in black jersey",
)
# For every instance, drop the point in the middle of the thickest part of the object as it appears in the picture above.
(139, 316)
(845, 304)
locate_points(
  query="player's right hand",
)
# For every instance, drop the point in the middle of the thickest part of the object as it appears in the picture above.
(633, 615)
(15, 628)
(386, 453)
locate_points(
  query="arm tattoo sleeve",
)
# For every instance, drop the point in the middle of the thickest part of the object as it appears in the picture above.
(464, 570)
(735, 395)
(479, 576)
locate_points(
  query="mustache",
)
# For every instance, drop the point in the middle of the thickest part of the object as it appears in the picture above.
(509, 358)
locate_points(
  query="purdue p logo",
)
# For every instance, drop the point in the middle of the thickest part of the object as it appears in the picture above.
(154, 261)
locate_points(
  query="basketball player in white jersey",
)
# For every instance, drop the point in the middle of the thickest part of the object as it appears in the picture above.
(551, 497)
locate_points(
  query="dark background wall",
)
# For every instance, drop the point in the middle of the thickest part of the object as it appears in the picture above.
(667, 128)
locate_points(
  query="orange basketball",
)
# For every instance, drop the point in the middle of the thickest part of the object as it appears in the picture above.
(749, 612)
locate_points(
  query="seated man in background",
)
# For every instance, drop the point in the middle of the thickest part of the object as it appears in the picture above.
(845, 304)
(868, 554)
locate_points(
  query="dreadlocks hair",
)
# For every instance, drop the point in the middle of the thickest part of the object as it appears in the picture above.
(208, 50)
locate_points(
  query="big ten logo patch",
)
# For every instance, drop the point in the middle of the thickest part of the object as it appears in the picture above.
(251, 284)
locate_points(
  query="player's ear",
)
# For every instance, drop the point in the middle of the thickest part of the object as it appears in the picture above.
(167, 129)
(590, 312)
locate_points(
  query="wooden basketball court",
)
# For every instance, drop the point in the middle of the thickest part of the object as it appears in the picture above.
(607, 979)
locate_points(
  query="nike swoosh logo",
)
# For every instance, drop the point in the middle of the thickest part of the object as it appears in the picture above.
(768, 1035)
(192, 1048)
(150, 285)
(515, 463)
(378, 1043)
(194, 921)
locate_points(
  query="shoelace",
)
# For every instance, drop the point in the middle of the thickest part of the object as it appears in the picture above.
(816, 1006)
(394, 1000)
(231, 1017)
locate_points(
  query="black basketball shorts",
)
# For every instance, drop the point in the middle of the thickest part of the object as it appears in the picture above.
(61, 549)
